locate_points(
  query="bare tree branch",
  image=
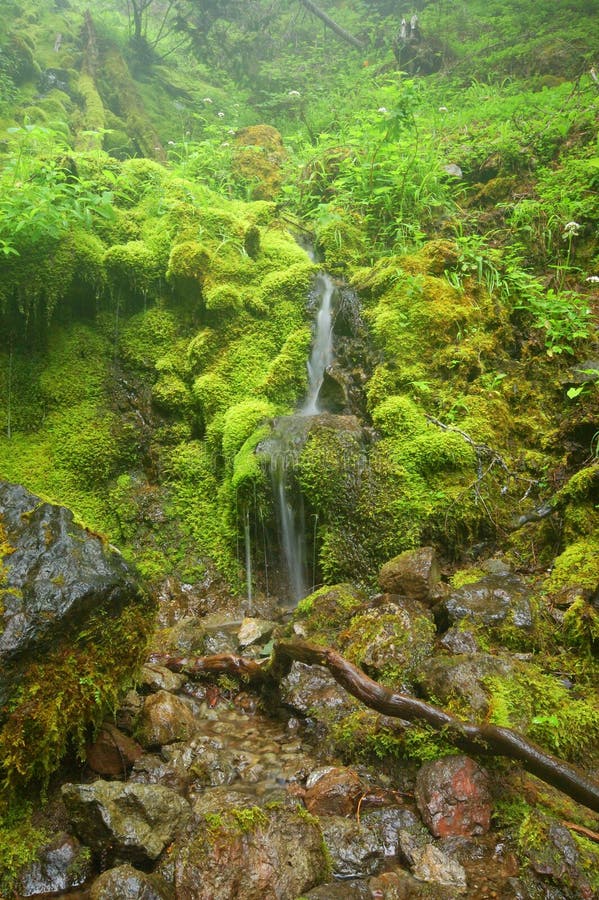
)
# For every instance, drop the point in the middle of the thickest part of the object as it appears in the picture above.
(330, 23)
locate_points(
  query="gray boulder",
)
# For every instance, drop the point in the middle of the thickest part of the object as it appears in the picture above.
(61, 865)
(54, 574)
(413, 573)
(493, 601)
(135, 821)
(126, 883)
(243, 854)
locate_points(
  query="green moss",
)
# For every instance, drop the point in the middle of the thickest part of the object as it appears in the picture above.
(93, 115)
(576, 567)
(581, 626)
(146, 337)
(133, 267)
(249, 818)
(171, 394)
(365, 736)
(539, 705)
(223, 298)
(466, 576)
(390, 646)
(240, 421)
(71, 688)
(189, 261)
(89, 442)
(286, 377)
(398, 415)
(324, 613)
(20, 841)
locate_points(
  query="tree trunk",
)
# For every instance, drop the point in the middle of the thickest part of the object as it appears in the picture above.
(330, 23)
(487, 739)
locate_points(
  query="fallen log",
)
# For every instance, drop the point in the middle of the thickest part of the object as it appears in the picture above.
(480, 739)
(330, 23)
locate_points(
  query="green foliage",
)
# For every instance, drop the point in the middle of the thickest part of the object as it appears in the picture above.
(539, 705)
(73, 687)
(20, 841)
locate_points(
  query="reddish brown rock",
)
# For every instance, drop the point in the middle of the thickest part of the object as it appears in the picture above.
(334, 793)
(453, 797)
(413, 574)
(112, 753)
(164, 719)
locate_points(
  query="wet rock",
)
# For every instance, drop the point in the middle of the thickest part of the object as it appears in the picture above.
(555, 857)
(54, 79)
(350, 889)
(55, 575)
(453, 797)
(60, 866)
(128, 712)
(334, 394)
(459, 642)
(153, 769)
(271, 854)
(358, 848)
(398, 884)
(214, 801)
(492, 601)
(158, 678)
(112, 753)
(164, 719)
(393, 639)
(135, 821)
(307, 688)
(432, 865)
(197, 637)
(389, 823)
(447, 677)
(335, 792)
(254, 631)
(413, 574)
(495, 566)
(353, 848)
(126, 883)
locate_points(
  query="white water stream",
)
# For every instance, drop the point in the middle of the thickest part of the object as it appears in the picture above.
(286, 443)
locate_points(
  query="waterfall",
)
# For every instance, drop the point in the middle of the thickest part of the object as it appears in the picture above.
(321, 355)
(248, 558)
(291, 522)
(285, 444)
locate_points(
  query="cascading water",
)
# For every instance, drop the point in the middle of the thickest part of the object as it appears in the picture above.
(285, 444)
(321, 356)
(291, 522)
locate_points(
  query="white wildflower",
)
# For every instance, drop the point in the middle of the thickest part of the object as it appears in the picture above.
(593, 279)
(443, 109)
(221, 115)
(571, 229)
(207, 100)
(171, 143)
(293, 94)
(382, 109)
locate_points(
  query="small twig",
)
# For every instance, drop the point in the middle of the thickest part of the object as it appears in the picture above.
(580, 829)
(360, 801)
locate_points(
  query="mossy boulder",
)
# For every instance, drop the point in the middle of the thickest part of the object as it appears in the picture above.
(413, 573)
(74, 627)
(259, 158)
(321, 616)
(392, 641)
(251, 852)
